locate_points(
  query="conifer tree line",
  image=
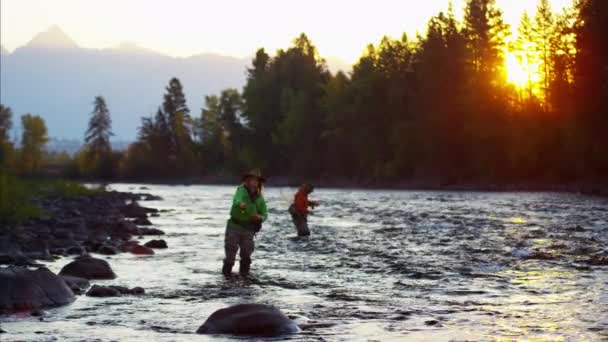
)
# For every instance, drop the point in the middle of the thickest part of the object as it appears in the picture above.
(444, 107)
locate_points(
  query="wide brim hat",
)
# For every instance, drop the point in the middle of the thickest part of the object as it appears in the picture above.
(256, 173)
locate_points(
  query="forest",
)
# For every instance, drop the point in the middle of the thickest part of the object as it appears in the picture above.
(470, 101)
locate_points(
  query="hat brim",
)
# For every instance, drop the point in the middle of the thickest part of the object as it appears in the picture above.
(248, 175)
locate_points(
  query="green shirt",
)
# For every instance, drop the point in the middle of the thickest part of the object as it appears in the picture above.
(245, 216)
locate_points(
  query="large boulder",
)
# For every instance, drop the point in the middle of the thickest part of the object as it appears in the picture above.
(89, 268)
(134, 247)
(249, 320)
(22, 289)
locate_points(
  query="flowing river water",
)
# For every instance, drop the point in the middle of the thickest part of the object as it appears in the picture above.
(380, 266)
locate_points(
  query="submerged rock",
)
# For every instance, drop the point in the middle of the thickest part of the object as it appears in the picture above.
(89, 268)
(30, 290)
(249, 320)
(113, 291)
(156, 244)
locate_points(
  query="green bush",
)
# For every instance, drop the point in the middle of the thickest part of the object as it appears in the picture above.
(16, 196)
(15, 201)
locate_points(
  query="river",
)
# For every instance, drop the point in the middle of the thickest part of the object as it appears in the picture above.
(380, 266)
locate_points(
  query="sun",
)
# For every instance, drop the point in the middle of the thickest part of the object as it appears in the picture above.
(521, 71)
(516, 73)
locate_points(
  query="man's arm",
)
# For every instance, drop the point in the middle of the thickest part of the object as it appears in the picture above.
(262, 209)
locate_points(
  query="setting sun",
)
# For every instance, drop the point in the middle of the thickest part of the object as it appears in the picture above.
(521, 72)
(516, 73)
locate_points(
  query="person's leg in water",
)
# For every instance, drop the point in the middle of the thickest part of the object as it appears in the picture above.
(247, 246)
(301, 223)
(231, 246)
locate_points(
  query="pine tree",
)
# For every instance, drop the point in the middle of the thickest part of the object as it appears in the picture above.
(544, 38)
(99, 132)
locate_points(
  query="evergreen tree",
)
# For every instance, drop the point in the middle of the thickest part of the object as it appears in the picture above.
(98, 134)
(544, 38)
(6, 148)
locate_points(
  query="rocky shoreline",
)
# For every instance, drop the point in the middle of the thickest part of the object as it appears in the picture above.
(104, 223)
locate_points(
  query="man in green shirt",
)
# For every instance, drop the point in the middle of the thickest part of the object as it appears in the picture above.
(246, 216)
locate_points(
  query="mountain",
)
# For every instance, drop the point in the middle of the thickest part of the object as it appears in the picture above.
(53, 77)
(54, 37)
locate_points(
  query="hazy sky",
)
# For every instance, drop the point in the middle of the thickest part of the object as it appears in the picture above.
(339, 28)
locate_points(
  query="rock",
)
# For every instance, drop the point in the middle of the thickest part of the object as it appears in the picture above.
(142, 221)
(78, 285)
(149, 197)
(598, 261)
(135, 248)
(29, 290)
(36, 249)
(113, 291)
(76, 250)
(137, 291)
(134, 210)
(149, 231)
(102, 291)
(107, 250)
(89, 268)
(156, 244)
(249, 320)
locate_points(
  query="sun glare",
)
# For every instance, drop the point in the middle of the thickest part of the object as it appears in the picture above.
(516, 72)
(521, 72)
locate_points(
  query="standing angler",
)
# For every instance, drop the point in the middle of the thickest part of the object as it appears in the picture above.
(299, 209)
(246, 216)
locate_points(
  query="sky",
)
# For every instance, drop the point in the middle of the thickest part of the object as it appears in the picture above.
(339, 28)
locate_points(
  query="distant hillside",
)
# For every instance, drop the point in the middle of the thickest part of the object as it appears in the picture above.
(55, 78)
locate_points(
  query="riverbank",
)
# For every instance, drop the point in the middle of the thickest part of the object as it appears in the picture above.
(67, 224)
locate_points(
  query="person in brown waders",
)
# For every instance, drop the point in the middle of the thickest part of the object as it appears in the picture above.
(247, 214)
(299, 209)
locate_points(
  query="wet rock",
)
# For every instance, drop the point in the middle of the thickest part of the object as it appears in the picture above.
(431, 322)
(76, 284)
(36, 249)
(597, 260)
(102, 291)
(22, 289)
(149, 197)
(159, 244)
(75, 250)
(142, 221)
(134, 210)
(107, 250)
(135, 248)
(540, 255)
(249, 320)
(89, 268)
(149, 231)
(113, 291)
